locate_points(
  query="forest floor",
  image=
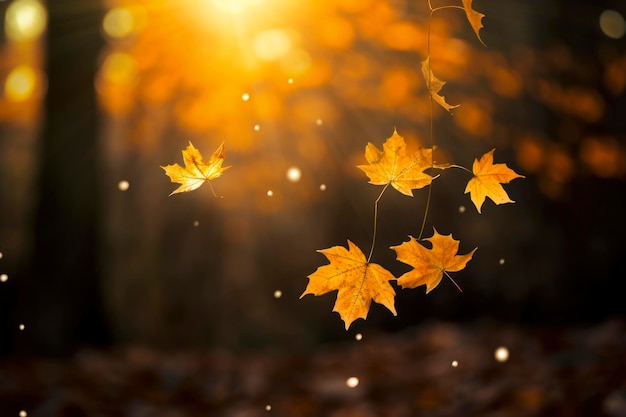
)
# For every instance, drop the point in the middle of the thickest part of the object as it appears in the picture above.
(436, 369)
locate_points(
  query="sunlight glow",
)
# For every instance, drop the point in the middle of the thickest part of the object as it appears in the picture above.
(271, 44)
(25, 20)
(20, 83)
(235, 6)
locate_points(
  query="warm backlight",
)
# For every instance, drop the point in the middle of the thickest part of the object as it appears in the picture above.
(20, 83)
(234, 6)
(25, 20)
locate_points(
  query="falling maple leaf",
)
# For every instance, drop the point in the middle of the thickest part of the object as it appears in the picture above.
(393, 166)
(196, 170)
(487, 181)
(435, 85)
(358, 281)
(429, 265)
(474, 18)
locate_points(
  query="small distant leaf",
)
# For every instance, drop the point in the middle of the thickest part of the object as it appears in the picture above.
(435, 85)
(197, 171)
(393, 166)
(474, 18)
(358, 281)
(429, 265)
(487, 181)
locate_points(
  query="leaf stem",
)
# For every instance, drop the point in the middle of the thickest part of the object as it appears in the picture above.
(212, 190)
(460, 167)
(453, 281)
(376, 221)
(436, 9)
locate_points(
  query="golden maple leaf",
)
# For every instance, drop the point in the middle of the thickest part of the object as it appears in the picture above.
(393, 166)
(429, 265)
(196, 170)
(435, 85)
(474, 18)
(358, 281)
(487, 181)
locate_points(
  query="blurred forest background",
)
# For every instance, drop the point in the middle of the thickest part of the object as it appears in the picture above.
(95, 96)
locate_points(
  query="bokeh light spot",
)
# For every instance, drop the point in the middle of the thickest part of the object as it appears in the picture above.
(270, 193)
(358, 336)
(22, 413)
(612, 24)
(322, 187)
(118, 22)
(271, 44)
(455, 364)
(461, 209)
(257, 127)
(22, 327)
(4, 278)
(501, 261)
(20, 83)
(268, 408)
(25, 20)
(278, 294)
(245, 96)
(120, 68)
(196, 223)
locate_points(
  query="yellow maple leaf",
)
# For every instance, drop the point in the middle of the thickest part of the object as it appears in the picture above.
(474, 18)
(358, 281)
(197, 171)
(429, 265)
(487, 181)
(393, 166)
(435, 85)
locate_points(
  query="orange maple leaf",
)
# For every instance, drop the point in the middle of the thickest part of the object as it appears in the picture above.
(435, 85)
(474, 18)
(393, 166)
(487, 181)
(429, 265)
(358, 281)
(197, 171)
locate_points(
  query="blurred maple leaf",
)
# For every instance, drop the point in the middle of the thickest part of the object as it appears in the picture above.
(393, 166)
(474, 18)
(429, 265)
(487, 181)
(435, 85)
(196, 170)
(358, 281)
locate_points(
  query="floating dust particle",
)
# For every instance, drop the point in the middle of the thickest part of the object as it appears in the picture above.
(245, 96)
(358, 336)
(294, 174)
(123, 185)
(4, 278)
(501, 354)
(455, 364)
(278, 294)
(352, 382)
(501, 261)
(196, 223)
(322, 187)
(461, 209)
(270, 193)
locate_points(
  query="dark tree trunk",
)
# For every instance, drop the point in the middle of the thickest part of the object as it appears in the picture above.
(60, 301)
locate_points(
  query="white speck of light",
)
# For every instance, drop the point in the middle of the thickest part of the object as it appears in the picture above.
(294, 174)
(461, 209)
(501, 261)
(319, 122)
(352, 382)
(270, 193)
(22, 327)
(455, 364)
(322, 187)
(4, 277)
(278, 294)
(22, 413)
(196, 223)
(358, 336)
(245, 96)
(123, 185)
(1, 255)
(257, 127)
(290, 81)
(612, 24)
(268, 408)
(501, 354)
